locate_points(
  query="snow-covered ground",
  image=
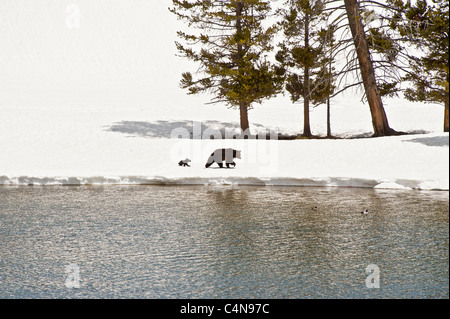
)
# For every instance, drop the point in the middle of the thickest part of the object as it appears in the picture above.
(139, 145)
(89, 95)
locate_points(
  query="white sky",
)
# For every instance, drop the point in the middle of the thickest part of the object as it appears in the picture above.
(118, 52)
(118, 46)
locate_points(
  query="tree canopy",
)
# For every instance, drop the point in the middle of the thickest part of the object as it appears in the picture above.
(231, 48)
(425, 26)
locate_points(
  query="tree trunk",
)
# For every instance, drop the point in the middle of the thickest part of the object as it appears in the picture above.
(379, 118)
(243, 107)
(306, 122)
(328, 118)
(328, 105)
(306, 93)
(446, 115)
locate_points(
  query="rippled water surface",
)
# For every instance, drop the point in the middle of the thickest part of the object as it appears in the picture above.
(222, 242)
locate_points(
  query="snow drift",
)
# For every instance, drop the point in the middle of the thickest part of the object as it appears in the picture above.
(80, 149)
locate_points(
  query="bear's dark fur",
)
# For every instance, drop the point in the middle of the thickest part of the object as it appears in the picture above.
(221, 155)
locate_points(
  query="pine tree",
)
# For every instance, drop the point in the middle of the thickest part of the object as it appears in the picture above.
(426, 27)
(231, 46)
(372, 91)
(304, 54)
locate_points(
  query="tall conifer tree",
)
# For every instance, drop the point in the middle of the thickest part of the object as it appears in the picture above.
(426, 26)
(231, 46)
(379, 119)
(305, 54)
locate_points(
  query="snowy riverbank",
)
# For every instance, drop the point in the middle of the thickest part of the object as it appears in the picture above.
(70, 146)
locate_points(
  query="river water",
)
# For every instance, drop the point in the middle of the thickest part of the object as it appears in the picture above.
(222, 242)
